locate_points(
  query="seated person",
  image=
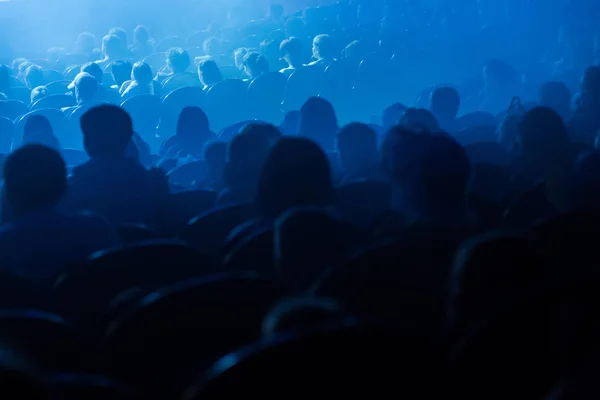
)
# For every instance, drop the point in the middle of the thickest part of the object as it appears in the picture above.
(34, 76)
(209, 73)
(121, 72)
(105, 94)
(143, 44)
(113, 184)
(39, 93)
(141, 81)
(111, 50)
(85, 87)
(38, 241)
(178, 61)
(292, 52)
(255, 65)
(324, 51)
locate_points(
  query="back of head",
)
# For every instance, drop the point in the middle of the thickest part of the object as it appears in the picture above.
(318, 121)
(445, 102)
(85, 42)
(192, 123)
(324, 47)
(209, 72)
(255, 64)
(392, 115)
(86, 87)
(141, 73)
(543, 136)
(38, 130)
(107, 131)
(266, 130)
(39, 93)
(419, 119)
(112, 46)
(35, 177)
(121, 34)
(178, 60)
(121, 71)
(34, 76)
(296, 173)
(245, 158)
(94, 70)
(295, 27)
(432, 167)
(357, 142)
(292, 50)
(141, 34)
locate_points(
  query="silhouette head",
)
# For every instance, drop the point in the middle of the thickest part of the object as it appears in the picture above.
(255, 65)
(318, 122)
(121, 71)
(392, 115)
(193, 123)
(107, 131)
(543, 137)
(38, 130)
(292, 52)
(141, 73)
(245, 158)
(419, 119)
(324, 47)
(86, 87)
(178, 60)
(35, 177)
(111, 47)
(269, 131)
(296, 173)
(85, 43)
(38, 93)
(445, 102)
(209, 73)
(590, 86)
(121, 34)
(34, 76)
(357, 146)
(94, 70)
(141, 34)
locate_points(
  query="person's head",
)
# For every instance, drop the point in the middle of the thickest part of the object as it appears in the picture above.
(296, 173)
(39, 93)
(215, 156)
(85, 87)
(324, 48)
(246, 155)
(392, 115)
(209, 73)
(255, 65)
(543, 138)
(557, 96)
(35, 178)
(269, 131)
(121, 71)
(178, 60)
(85, 43)
(4, 77)
(291, 51)
(292, 315)
(121, 34)
(34, 76)
(141, 34)
(357, 146)
(590, 86)
(444, 103)
(94, 70)
(419, 119)
(318, 122)
(111, 47)
(192, 123)
(141, 73)
(239, 55)
(431, 170)
(38, 130)
(107, 131)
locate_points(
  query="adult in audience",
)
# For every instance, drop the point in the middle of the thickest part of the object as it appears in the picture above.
(124, 51)
(292, 52)
(178, 61)
(111, 50)
(39, 93)
(318, 122)
(34, 76)
(296, 173)
(193, 131)
(86, 45)
(104, 93)
(38, 130)
(143, 44)
(86, 88)
(121, 72)
(444, 104)
(358, 152)
(112, 184)
(419, 119)
(209, 73)
(324, 51)
(255, 65)
(38, 241)
(141, 81)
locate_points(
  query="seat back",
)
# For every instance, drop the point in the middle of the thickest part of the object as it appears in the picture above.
(145, 111)
(7, 132)
(20, 93)
(180, 80)
(265, 95)
(60, 86)
(54, 116)
(168, 43)
(302, 84)
(226, 103)
(55, 101)
(172, 105)
(13, 109)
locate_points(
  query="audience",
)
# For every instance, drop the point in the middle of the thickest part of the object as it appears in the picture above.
(209, 74)
(141, 81)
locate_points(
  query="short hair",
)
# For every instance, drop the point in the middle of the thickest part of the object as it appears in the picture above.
(37, 130)
(94, 70)
(291, 47)
(192, 119)
(86, 41)
(141, 72)
(324, 46)
(358, 138)
(141, 33)
(121, 71)
(445, 101)
(39, 93)
(111, 46)
(86, 85)
(35, 176)
(178, 59)
(295, 27)
(419, 119)
(210, 72)
(271, 132)
(120, 33)
(543, 132)
(107, 131)
(256, 63)
(34, 76)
